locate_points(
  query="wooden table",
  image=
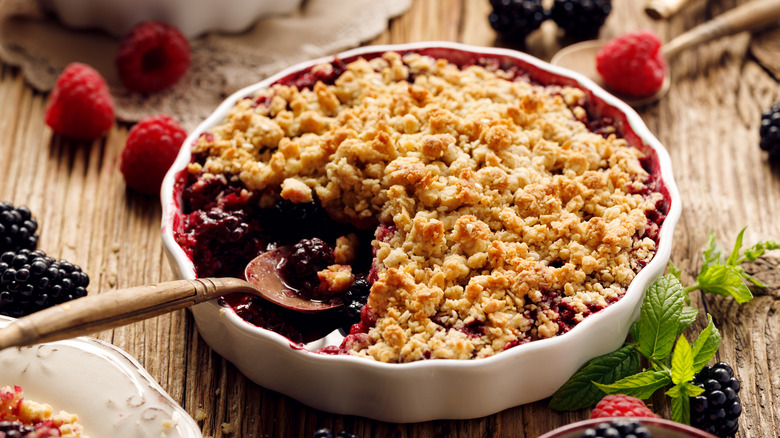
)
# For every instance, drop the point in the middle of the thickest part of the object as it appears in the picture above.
(709, 123)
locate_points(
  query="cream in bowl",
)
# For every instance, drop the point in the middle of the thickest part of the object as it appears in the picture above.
(480, 213)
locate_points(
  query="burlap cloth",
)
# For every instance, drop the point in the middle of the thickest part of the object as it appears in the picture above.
(221, 63)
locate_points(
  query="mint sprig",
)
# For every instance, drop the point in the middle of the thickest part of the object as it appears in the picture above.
(658, 336)
(726, 277)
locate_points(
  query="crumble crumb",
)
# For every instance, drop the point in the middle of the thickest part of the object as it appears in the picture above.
(511, 221)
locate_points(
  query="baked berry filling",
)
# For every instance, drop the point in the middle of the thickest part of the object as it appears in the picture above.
(457, 210)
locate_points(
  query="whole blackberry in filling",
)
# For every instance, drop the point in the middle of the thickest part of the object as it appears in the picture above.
(580, 18)
(717, 409)
(515, 19)
(17, 228)
(306, 258)
(617, 429)
(15, 429)
(32, 281)
(770, 131)
(354, 300)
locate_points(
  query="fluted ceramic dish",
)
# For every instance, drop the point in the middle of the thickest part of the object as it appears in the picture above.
(433, 389)
(191, 17)
(110, 391)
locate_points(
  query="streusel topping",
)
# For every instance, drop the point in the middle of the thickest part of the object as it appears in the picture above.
(499, 210)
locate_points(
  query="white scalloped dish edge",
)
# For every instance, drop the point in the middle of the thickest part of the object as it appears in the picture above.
(112, 394)
(432, 389)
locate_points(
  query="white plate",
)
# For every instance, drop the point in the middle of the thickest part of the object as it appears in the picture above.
(110, 392)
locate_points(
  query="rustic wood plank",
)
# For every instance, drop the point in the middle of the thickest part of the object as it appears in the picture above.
(708, 122)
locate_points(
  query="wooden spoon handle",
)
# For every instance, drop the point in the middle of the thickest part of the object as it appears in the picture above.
(748, 16)
(107, 310)
(658, 9)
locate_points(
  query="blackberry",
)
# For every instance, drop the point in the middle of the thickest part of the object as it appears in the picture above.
(17, 228)
(770, 131)
(306, 258)
(15, 429)
(717, 409)
(354, 300)
(617, 429)
(515, 19)
(580, 18)
(327, 433)
(32, 281)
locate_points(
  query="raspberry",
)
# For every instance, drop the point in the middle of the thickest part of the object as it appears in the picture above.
(632, 64)
(515, 19)
(17, 228)
(580, 18)
(80, 104)
(717, 409)
(151, 148)
(152, 57)
(770, 131)
(622, 428)
(621, 405)
(32, 281)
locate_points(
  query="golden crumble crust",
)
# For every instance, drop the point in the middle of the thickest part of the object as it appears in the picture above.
(502, 207)
(14, 407)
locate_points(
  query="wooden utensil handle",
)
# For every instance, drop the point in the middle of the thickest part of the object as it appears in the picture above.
(658, 9)
(748, 16)
(107, 310)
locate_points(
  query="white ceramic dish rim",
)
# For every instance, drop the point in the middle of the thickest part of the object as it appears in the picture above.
(114, 395)
(628, 304)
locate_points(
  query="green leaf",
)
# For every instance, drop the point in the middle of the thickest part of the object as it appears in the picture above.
(711, 254)
(705, 346)
(757, 250)
(687, 317)
(725, 280)
(641, 385)
(659, 317)
(733, 259)
(635, 331)
(681, 404)
(682, 362)
(674, 270)
(579, 391)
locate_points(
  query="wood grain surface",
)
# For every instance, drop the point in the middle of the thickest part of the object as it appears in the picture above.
(709, 123)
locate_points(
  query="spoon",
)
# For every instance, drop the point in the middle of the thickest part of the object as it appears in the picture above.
(108, 310)
(581, 57)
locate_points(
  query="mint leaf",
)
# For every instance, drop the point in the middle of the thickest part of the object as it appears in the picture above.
(641, 385)
(757, 250)
(674, 270)
(733, 259)
(711, 254)
(635, 331)
(725, 280)
(682, 362)
(705, 346)
(687, 317)
(681, 404)
(659, 317)
(579, 392)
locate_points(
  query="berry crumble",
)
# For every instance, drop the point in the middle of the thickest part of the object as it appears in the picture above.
(20, 417)
(460, 210)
